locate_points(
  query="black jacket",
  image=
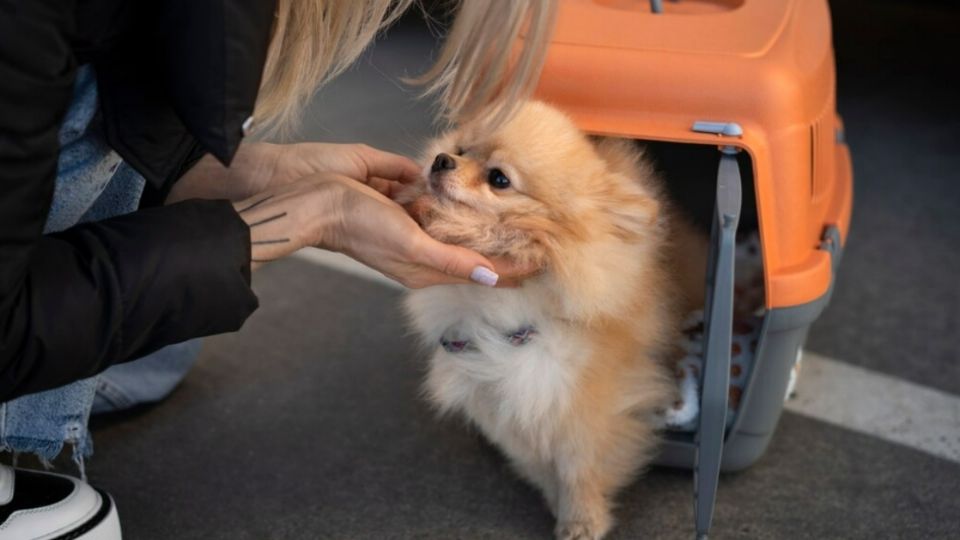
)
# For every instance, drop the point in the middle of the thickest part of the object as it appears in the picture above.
(177, 78)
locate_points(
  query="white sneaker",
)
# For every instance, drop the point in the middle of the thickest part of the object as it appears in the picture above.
(38, 505)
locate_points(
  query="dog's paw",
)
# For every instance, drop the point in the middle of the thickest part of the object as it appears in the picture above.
(577, 530)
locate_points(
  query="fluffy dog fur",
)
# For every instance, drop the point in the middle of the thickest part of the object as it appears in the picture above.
(572, 409)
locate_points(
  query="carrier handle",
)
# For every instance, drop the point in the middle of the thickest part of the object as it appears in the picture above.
(718, 328)
(656, 6)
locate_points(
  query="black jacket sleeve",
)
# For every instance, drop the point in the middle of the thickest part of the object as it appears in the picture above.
(73, 303)
(106, 292)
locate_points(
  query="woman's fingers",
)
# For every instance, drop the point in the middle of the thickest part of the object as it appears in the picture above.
(423, 277)
(455, 261)
(464, 264)
(359, 162)
(456, 265)
(388, 166)
(512, 272)
(387, 188)
(375, 230)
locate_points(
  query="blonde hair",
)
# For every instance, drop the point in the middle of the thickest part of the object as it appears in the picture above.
(479, 74)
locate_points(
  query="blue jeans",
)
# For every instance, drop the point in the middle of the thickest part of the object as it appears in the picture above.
(93, 183)
(42, 423)
(146, 380)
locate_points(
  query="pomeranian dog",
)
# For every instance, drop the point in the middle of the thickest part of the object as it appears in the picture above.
(567, 372)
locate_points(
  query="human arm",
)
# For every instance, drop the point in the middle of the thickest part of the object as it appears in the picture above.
(76, 302)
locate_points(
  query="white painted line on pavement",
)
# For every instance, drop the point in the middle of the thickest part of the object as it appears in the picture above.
(829, 390)
(880, 405)
(344, 264)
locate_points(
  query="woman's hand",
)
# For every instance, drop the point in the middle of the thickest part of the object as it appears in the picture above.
(258, 167)
(383, 171)
(334, 212)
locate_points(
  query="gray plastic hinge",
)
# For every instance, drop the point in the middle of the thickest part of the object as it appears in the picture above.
(726, 129)
(656, 6)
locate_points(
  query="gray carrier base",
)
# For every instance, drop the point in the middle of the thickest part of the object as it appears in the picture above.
(783, 333)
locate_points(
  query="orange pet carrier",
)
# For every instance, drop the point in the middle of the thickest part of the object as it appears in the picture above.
(754, 79)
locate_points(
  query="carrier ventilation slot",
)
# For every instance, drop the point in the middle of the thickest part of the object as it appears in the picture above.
(814, 142)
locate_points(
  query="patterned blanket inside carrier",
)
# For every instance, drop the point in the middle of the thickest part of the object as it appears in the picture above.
(748, 317)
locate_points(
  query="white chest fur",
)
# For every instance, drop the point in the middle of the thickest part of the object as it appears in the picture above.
(503, 387)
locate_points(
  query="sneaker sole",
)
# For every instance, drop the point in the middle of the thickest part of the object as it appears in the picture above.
(104, 525)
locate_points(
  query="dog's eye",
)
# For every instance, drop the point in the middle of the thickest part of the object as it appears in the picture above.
(460, 151)
(497, 179)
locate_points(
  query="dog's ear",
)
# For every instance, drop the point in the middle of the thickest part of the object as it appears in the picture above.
(622, 156)
(632, 210)
(633, 213)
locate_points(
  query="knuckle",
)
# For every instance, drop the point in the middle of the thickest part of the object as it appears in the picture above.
(363, 149)
(412, 249)
(413, 282)
(449, 267)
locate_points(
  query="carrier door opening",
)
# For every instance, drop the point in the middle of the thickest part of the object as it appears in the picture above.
(689, 173)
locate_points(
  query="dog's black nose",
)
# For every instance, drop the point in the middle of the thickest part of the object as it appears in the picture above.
(443, 162)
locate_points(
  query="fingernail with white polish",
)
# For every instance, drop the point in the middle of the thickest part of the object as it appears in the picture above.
(484, 276)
